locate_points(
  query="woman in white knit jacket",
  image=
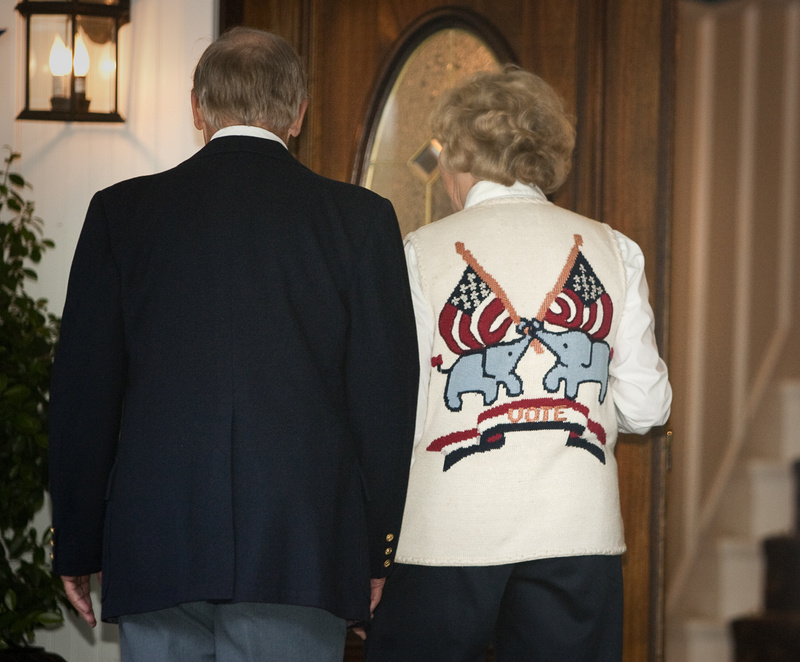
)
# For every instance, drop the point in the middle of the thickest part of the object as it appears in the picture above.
(536, 347)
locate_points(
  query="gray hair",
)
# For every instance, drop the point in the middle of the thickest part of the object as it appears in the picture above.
(250, 77)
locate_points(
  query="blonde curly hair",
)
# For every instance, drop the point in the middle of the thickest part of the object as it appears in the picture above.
(505, 126)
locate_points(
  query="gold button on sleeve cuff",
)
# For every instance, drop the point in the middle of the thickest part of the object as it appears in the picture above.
(389, 537)
(388, 551)
(387, 563)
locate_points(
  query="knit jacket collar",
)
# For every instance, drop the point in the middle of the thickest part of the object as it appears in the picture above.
(484, 190)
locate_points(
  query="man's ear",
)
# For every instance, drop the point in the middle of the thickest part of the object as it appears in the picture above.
(199, 119)
(197, 114)
(294, 128)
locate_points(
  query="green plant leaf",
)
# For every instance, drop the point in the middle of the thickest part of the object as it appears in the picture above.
(51, 618)
(10, 599)
(32, 597)
(17, 393)
(28, 424)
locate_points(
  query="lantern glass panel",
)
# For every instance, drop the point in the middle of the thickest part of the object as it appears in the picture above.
(98, 35)
(51, 39)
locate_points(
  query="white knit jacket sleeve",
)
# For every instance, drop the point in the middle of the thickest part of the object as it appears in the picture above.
(638, 375)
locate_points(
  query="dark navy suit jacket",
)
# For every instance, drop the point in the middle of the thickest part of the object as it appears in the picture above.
(233, 394)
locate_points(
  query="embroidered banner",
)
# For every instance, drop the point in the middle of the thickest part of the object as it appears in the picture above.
(524, 415)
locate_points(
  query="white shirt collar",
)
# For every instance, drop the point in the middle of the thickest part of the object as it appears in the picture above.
(484, 190)
(243, 130)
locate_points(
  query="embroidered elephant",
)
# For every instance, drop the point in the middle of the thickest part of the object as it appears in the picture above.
(579, 360)
(482, 371)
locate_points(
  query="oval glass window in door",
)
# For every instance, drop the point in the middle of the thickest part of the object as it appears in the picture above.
(401, 163)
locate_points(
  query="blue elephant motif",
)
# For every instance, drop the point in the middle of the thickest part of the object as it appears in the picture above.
(483, 370)
(579, 359)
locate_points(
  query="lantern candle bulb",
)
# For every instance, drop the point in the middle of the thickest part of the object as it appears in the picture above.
(60, 68)
(80, 64)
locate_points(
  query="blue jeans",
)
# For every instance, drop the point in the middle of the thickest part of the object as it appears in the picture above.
(241, 632)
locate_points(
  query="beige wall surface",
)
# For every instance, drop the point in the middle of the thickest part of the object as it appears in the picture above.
(734, 304)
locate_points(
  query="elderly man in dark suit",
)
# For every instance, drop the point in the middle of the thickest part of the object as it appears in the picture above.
(232, 404)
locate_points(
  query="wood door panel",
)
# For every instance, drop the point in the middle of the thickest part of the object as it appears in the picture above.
(636, 198)
(611, 60)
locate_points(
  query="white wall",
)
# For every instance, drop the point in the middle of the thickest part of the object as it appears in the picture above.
(735, 306)
(68, 162)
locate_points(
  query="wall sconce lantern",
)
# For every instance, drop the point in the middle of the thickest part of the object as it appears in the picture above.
(72, 48)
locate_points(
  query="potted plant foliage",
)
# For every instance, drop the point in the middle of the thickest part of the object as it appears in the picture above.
(31, 596)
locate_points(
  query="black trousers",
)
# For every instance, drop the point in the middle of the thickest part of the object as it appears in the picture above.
(549, 610)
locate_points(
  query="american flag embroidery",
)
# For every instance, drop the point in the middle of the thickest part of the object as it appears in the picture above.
(473, 317)
(583, 303)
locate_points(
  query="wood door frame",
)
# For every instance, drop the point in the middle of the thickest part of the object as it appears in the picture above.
(636, 179)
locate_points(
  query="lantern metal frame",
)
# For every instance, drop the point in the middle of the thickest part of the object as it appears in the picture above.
(72, 9)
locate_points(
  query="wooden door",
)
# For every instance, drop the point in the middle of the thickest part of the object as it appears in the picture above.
(612, 61)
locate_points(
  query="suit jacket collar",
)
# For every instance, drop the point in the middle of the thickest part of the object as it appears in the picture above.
(234, 144)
